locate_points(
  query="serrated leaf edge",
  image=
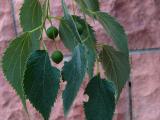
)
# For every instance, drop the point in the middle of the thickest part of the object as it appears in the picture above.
(33, 104)
(4, 53)
(20, 14)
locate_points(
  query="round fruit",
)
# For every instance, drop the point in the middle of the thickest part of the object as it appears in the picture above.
(57, 56)
(79, 28)
(52, 32)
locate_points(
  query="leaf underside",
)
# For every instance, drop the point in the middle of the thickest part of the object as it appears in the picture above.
(116, 66)
(88, 5)
(101, 104)
(30, 15)
(88, 37)
(114, 30)
(112, 27)
(41, 82)
(14, 62)
(70, 21)
(31, 18)
(74, 73)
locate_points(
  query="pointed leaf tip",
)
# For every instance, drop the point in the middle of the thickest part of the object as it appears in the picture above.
(116, 66)
(74, 73)
(41, 82)
(14, 62)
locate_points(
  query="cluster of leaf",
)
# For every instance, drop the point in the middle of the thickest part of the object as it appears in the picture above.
(29, 71)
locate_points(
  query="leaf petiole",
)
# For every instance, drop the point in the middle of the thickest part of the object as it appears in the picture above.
(55, 17)
(37, 28)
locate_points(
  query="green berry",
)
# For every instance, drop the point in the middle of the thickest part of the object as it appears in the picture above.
(52, 32)
(57, 56)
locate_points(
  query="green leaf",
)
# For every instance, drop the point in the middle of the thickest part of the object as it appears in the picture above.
(116, 66)
(67, 35)
(70, 21)
(90, 41)
(92, 5)
(101, 104)
(31, 15)
(31, 18)
(41, 82)
(112, 27)
(91, 58)
(114, 30)
(14, 62)
(74, 73)
(88, 38)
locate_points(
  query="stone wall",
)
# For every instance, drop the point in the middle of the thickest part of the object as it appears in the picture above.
(139, 99)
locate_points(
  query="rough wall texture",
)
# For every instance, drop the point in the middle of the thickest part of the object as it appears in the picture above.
(141, 20)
